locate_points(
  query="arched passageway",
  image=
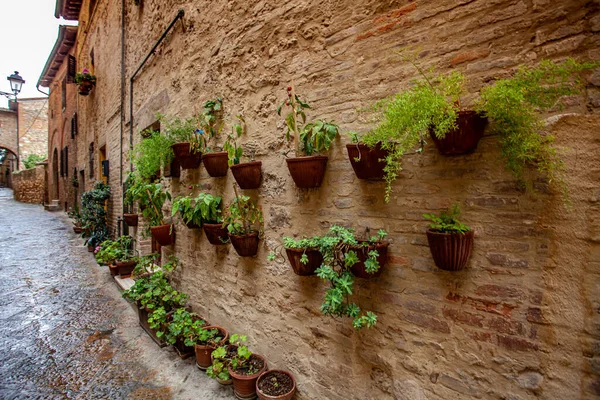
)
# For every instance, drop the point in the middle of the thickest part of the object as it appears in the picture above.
(8, 164)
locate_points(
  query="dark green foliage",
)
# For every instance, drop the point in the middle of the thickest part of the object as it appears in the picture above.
(448, 221)
(93, 214)
(148, 156)
(243, 216)
(32, 159)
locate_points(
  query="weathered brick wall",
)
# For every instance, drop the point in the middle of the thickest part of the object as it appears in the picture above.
(29, 185)
(8, 130)
(520, 323)
(33, 127)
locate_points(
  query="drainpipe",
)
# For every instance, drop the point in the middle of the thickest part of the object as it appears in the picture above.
(122, 128)
(162, 37)
(39, 90)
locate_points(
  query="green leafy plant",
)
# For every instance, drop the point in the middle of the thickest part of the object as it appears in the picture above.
(154, 292)
(236, 355)
(514, 105)
(85, 77)
(203, 336)
(209, 123)
(315, 137)
(243, 216)
(291, 243)
(448, 221)
(182, 325)
(203, 208)
(149, 264)
(150, 154)
(75, 215)
(120, 250)
(235, 152)
(31, 160)
(151, 197)
(93, 213)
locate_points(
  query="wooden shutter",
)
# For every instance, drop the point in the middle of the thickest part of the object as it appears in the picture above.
(74, 126)
(71, 69)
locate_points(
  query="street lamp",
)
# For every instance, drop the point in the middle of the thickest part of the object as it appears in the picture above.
(16, 83)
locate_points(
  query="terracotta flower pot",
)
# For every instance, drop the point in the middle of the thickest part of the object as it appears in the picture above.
(285, 393)
(450, 251)
(248, 175)
(245, 245)
(163, 234)
(244, 386)
(77, 229)
(85, 87)
(186, 159)
(131, 219)
(307, 172)
(91, 249)
(368, 165)
(216, 164)
(204, 352)
(465, 138)
(125, 268)
(114, 270)
(231, 351)
(192, 225)
(315, 259)
(358, 269)
(216, 234)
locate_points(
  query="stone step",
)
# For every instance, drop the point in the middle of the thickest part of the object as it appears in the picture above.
(53, 206)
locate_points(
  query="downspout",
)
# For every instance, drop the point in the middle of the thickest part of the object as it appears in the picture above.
(179, 15)
(38, 89)
(122, 89)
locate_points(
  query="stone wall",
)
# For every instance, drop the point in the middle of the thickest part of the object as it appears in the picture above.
(29, 185)
(520, 323)
(8, 130)
(33, 127)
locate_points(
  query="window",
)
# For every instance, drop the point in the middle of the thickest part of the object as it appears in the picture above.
(91, 160)
(74, 126)
(64, 94)
(62, 163)
(71, 69)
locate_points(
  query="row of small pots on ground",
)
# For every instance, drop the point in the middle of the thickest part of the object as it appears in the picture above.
(164, 316)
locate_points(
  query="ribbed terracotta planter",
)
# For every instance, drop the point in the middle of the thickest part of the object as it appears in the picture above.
(85, 87)
(245, 245)
(183, 155)
(248, 175)
(450, 251)
(266, 375)
(370, 162)
(131, 219)
(315, 259)
(203, 353)
(163, 234)
(125, 268)
(216, 163)
(307, 172)
(216, 234)
(77, 229)
(465, 138)
(359, 270)
(244, 386)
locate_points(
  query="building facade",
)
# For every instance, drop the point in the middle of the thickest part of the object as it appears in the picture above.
(521, 323)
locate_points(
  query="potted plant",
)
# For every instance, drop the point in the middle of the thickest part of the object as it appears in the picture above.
(93, 215)
(118, 253)
(75, 215)
(304, 255)
(339, 250)
(131, 219)
(189, 211)
(210, 124)
(181, 328)
(367, 162)
(243, 221)
(249, 174)
(75, 182)
(220, 359)
(275, 384)
(365, 266)
(149, 155)
(186, 141)
(450, 241)
(85, 81)
(316, 137)
(212, 221)
(205, 341)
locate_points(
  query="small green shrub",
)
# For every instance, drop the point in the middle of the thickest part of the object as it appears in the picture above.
(148, 156)
(448, 221)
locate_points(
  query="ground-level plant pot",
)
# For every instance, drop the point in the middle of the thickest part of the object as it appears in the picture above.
(143, 317)
(114, 270)
(282, 377)
(77, 229)
(248, 175)
(163, 234)
(131, 219)
(245, 245)
(244, 386)
(216, 164)
(362, 252)
(307, 172)
(465, 138)
(125, 268)
(231, 350)
(315, 259)
(91, 249)
(185, 157)
(204, 352)
(371, 161)
(450, 251)
(216, 234)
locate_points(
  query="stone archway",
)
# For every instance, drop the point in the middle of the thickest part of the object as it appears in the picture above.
(8, 164)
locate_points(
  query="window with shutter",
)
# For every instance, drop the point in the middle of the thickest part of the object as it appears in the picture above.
(71, 69)
(62, 162)
(64, 94)
(74, 126)
(91, 159)
(67, 161)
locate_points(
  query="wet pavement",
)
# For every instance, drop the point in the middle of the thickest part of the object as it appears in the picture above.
(65, 330)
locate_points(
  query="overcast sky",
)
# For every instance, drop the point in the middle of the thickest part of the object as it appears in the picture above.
(29, 31)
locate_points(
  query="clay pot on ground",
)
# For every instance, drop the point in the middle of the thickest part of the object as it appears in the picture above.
(183, 155)
(450, 251)
(216, 164)
(131, 219)
(362, 252)
(163, 234)
(245, 245)
(77, 229)
(370, 162)
(275, 384)
(143, 317)
(216, 234)
(231, 350)
(244, 386)
(204, 352)
(85, 87)
(125, 268)
(248, 175)
(315, 259)
(91, 249)
(307, 172)
(114, 270)
(465, 138)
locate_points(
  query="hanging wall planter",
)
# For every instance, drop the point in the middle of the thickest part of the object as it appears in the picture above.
(307, 172)
(85, 82)
(245, 245)
(275, 385)
(367, 162)
(248, 175)
(450, 241)
(465, 138)
(216, 234)
(186, 158)
(131, 219)
(362, 252)
(216, 163)
(164, 234)
(315, 259)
